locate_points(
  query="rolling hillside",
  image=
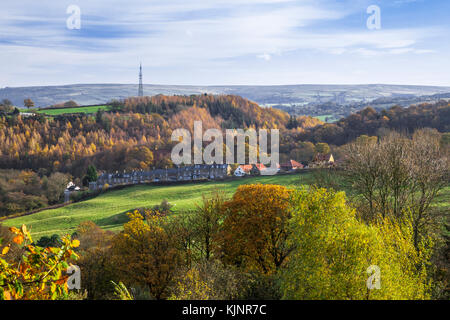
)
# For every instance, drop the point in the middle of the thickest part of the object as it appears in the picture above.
(108, 210)
(85, 94)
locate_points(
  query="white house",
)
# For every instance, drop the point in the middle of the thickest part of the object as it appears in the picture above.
(240, 172)
(249, 169)
(72, 187)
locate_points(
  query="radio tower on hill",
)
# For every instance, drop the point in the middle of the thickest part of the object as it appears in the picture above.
(141, 86)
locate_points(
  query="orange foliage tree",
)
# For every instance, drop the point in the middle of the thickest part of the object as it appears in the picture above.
(39, 272)
(146, 254)
(254, 231)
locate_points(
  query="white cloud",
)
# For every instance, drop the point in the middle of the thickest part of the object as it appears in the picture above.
(206, 36)
(265, 56)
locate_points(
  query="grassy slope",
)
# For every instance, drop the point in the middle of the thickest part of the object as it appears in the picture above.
(443, 204)
(56, 112)
(108, 210)
(331, 117)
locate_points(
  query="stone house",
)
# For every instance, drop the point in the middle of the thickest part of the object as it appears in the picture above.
(190, 173)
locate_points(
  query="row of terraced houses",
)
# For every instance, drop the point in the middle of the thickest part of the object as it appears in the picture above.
(196, 172)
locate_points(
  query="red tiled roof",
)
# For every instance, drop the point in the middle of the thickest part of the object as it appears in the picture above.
(292, 164)
(296, 164)
(260, 166)
(248, 167)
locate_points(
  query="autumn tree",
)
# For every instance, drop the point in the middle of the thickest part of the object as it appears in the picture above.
(403, 119)
(254, 230)
(185, 236)
(6, 106)
(22, 191)
(6, 103)
(70, 104)
(445, 141)
(399, 177)
(226, 282)
(28, 103)
(322, 148)
(206, 222)
(145, 254)
(38, 273)
(191, 287)
(304, 152)
(334, 252)
(55, 186)
(139, 158)
(115, 105)
(95, 260)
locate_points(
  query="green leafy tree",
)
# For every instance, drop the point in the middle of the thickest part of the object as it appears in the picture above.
(53, 241)
(116, 105)
(91, 174)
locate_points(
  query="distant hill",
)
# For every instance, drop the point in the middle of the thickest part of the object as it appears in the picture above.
(88, 94)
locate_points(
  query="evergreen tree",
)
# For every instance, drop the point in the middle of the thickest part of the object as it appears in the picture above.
(91, 174)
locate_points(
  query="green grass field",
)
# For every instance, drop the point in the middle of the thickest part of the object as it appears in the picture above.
(57, 112)
(109, 209)
(331, 118)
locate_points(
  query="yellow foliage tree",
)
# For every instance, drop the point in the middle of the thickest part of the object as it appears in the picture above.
(336, 254)
(145, 254)
(191, 287)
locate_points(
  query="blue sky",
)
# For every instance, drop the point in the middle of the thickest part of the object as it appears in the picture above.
(225, 42)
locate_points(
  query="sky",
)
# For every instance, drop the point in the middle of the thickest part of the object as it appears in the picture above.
(224, 42)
